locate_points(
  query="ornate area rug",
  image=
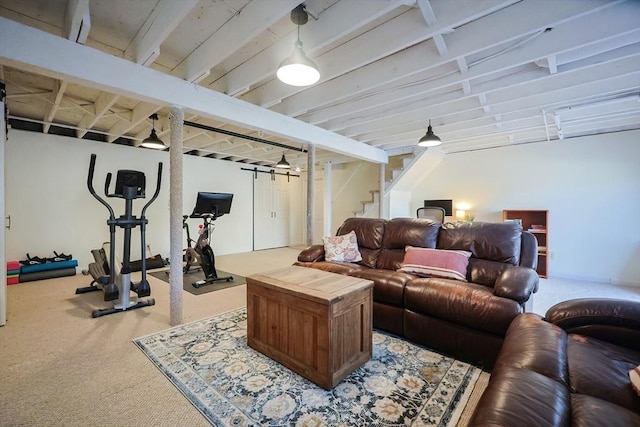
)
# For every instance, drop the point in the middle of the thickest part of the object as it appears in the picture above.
(234, 385)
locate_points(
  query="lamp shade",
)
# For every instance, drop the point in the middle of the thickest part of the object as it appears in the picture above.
(152, 141)
(430, 139)
(297, 69)
(283, 164)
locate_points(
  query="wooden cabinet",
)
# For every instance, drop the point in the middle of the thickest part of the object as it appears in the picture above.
(534, 221)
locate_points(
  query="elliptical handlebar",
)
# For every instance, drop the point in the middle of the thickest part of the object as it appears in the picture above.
(92, 166)
(155, 194)
(107, 184)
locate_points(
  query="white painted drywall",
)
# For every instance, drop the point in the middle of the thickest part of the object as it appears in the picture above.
(589, 185)
(52, 210)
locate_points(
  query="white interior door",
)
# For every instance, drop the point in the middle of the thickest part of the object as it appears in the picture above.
(3, 262)
(271, 211)
(280, 204)
(262, 211)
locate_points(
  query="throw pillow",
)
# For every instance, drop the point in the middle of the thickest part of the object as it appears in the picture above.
(426, 262)
(342, 248)
(634, 375)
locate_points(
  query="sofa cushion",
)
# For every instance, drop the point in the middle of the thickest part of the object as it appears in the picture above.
(601, 370)
(332, 267)
(402, 232)
(425, 262)
(515, 395)
(388, 286)
(461, 303)
(342, 248)
(589, 411)
(532, 343)
(369, 233)
(499, 242)
(485, 272)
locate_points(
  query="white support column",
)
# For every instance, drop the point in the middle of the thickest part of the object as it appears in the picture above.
(311, 177)
(175, 216)
(381, 191)
(328, 200)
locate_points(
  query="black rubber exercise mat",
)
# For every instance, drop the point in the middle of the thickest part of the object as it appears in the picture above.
(189, 279)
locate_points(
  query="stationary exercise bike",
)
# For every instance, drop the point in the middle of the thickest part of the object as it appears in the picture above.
(130, 185)
(209, 207)
(191, 256)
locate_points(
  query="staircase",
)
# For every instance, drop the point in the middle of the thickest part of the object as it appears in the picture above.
(369, 207)
(398, 165)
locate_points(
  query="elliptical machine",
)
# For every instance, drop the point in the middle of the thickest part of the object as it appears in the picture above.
(130, 185)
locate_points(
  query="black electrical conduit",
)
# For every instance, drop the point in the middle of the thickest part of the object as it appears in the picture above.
(239, 135)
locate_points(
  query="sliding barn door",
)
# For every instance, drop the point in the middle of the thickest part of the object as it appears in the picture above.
(271, 211)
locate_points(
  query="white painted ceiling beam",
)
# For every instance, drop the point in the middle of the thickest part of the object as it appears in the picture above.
(427, 12)
(77, 21)
(471, 38)
(602, 46)
(165, 17)
(42, 53)
(253, 19)
(344, 16)
(394, 35)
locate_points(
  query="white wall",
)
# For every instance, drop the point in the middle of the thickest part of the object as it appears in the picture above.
(399, 202)
(589, 185)
(52, 210)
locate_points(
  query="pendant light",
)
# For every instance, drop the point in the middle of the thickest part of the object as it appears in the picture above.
(430, 139)
(153, 141)
(283, 164)
(298, 69)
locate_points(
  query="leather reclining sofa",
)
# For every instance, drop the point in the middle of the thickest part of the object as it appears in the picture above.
(570, 368)
(467, 320)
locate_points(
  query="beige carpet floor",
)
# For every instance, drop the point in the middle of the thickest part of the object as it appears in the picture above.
(60, 367)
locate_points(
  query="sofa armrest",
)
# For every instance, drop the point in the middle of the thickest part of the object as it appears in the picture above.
(613, 320)
(313, 253)
(517, 283)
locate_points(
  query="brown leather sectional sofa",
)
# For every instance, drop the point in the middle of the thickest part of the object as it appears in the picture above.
(467, 320)
(569, 369)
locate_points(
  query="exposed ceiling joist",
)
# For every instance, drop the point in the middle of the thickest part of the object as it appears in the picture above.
(166, 16)
(253, 19)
